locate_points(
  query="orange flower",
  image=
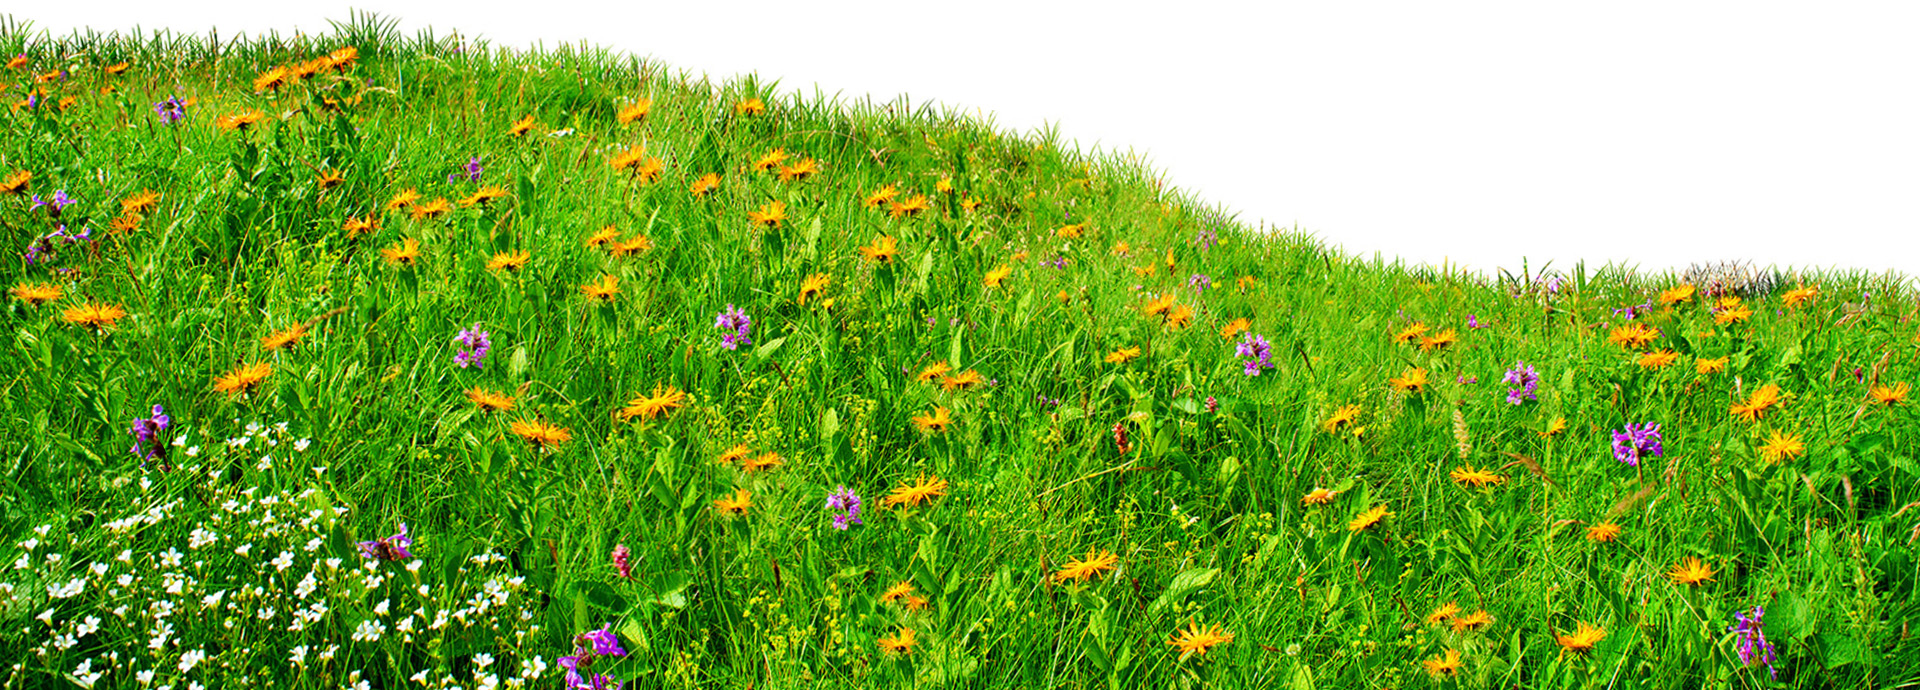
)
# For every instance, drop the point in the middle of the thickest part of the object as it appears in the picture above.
(762, 461)
(238, 121)
(605, 235)
(95, 316)
(403, 253)
(541, 434)
(813, 285)
(800, 170)
(284, 338)
(1414, 380)
(1194, 640)
(1468, 476)
(403, 199)
(1633, 336)
(1756, 404)
(270, 80)
(998, 274)
(1676, 295)
(1472, 621)
(1657, 360)
(770, 161)
(16, 183)
(328, 179)
(636, 112)
(1800, 295)
(243, 378)
(663, 400)
(523, 126)
(915, 494)
(1371, 517)
(145, 200)
(751, 106)
(911, 206)
(1319, 496)
(1235, 327)
(432, 209)
(1690, 571)
(881, 251)
(705, 185)
(484, 195)
(510, 262)
(489, 400)
(1886, 395)
(1123, 355)
(1444, 613)
(1082, 569)
(36, 294)
(966, 379)
(1411, 333)
(736, 504)
(1341, 417)
(1582, 640)
(769, 215)
(901, 642)
(1438, 341)
(1710, 366)
(605, 289)
(1446, 666)
(934, 423)
(881, 196)
(1071, 231)
(1602, 532)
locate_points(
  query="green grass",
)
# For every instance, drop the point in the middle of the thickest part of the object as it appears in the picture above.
(1204, 509)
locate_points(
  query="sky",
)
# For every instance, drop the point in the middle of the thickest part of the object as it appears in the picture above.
(1653, 135)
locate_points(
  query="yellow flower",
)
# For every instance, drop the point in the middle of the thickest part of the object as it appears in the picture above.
(243, 378)
(769, 215)
(1159, 306)
(270, 80)
(1235, 327)
(355, 226)
(751, 106)
(1123, 355)
(998, 274)
(899, 591)
(1603, 532)
(635, 112)
(605, 289)
(1781, 447)
(16, 183)
(540, 433)
(944, 186)
(1756, 404)
(1677, 294)
(36, 294)
(933, 371)
(762, 461)
(328, 179)
(1194, 640)
(1657, 360)
(917, 493)
(1318, 496)
(1800, 295)
(662, 401)
(1179, 317)
(881, 196)
(1882, 394)
(1411, 333)
(911, 206)
(1632, 336)
(966, 379)
(1731, 311)
(736, 504)
(94, 316)
(739, 451)
(432, 209)
(1468, 476)
(238, 121)
(1472, 621)
(141, 202)
(1371, 517)
(705, 185)
(1443, 613)
(1582, 640)
(1438, 341)
(772, 160)
(969, 203)
(603, 236)
(509, 261)
(1082, 569)
(900, 642)
(1710, 366)
(881, 251)
(934, 423)
(284, 338)
(489, 400)
(1344, 416)
(403, 253)
(1690, 571)
(1555, 427)
(1070, 231)
(1443, 666)
(523, 126)
(799, 170)
(1414, 380)
(403, 199)
(484, 195)
(813, 285)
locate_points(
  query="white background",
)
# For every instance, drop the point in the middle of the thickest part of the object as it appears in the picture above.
(1654, 134)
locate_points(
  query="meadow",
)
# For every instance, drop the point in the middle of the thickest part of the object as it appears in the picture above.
(365, 360)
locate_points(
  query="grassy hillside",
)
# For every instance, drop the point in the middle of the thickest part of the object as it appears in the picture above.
(369, 360)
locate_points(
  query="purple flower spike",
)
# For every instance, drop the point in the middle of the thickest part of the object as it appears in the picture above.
(1753, 641)
(1632, 444)
(623, 559)
(171, 110)
(392, 548)
(146, 435)
(1258, 351)
(475, 345)
(738, 325)
(1526, 378)
(848, 503)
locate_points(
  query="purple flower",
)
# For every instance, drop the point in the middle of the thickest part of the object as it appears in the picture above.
(1465, 379)
(848, 503)
(738, 325)
(472, 169)
(1526, 378)
(1199, 283)
(392, 548)
(1258, 351)
(1753, 641)
(587, 648)
(1474, 322)
(1212, 405)
(474, 344)
(58, 203)
(146, 432)
(171, 110)
(622, 559)
(1206, 238)
(1632, 444)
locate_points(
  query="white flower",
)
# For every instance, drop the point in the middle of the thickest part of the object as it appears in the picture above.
(414, 567)
(422, 589)
(201, 537)
(145, 677)
(161, 632)
(213, 599)
(243, 549)
(327, 654)
(319, 471)
(486, 682)
(84, 674)
(381, 608)
(98, 569)
(561, 132)
(23, 563)
(369, 631)
(314, 544)
(53, 558)
(266, 614)
(306, 586)
(532, 668)
(194, 451)
(126, 556)
(483, 660)
(266, 463)
(71, 588)
(333, 564)
(170, 558)
(88, 626)
(405, 625)
(190, 659)
(300, 446)
(420, 678)
(30, 544)
(283, 561)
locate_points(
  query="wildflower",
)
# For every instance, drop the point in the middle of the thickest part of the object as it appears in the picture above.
(16, 183)
(630, 246)
(146, 435)
(1443, 666)
(170, 111)
(1319, 496)
(751, 106)
(36, 294)
(1631, 444)
(1179, 317)
(1474, 323)
(1158, 306)
(604, 290)
(125, 223)
(509, 261)
(328, 179)
(432, 209)
(1702, 365)
(1657, 360)
(473, 168)
(881, 251)
(1444, 613)
(881, 196)
(736, 504)
(1070, 231)
(1690, 571)
(59, 202)
(588, 647)
(1413, 380)
(403, 199)
(1439, 340)
(474, 346)
(522, 126)
(944, 186)
(799, 170)
(998, 274)
(900, 642)
(1468, 476)
(1582, 640)
(623, 560)
(1756, 404)
(909, 207)
(962, 381)
(1555, 427)
(392, 548)
(140, 202)
(1885, 395)
(1120, 438)
(847, 503)
(403, 253)
(1731, 311)
(1601, 532)
(1258, 352)
(770, 161)
(489, 400)
(1235, 327)
(916, 493)
(242, 378)
(270, 80)
(1411, 333)
(899, 591)
(969, 203)
(769, 215)
(635, 112)
(1800, 295)
(1781, 446)
(1123, 355)
(540, 433)
(239, 121)
(813, 285)
(1194, 640)
(934, 423)
(664, 399)
(1632, 336)
(1676, 294)
(1472, 621)
(1526, 378)
(705, 185)
(483, 195)
(1368, 519)
(284, 338)
(738, 327)
(1081, 569)
(1752, 640)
